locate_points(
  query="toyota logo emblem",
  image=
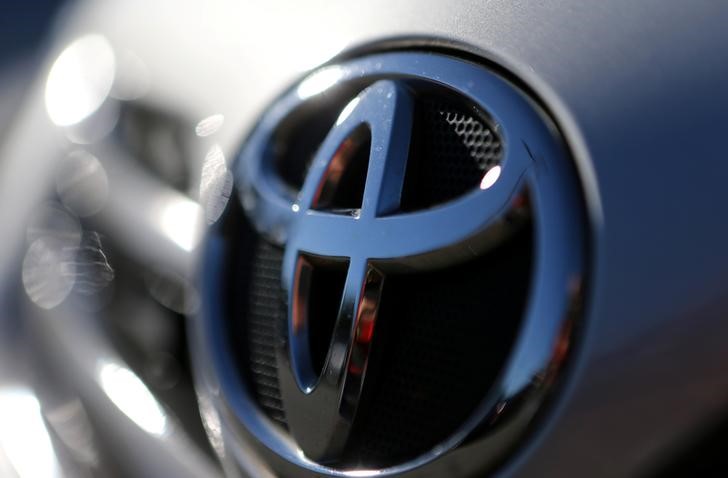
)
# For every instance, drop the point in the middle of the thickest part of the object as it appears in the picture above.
(376, 237)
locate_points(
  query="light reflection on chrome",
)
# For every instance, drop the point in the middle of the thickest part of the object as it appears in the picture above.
(213, 425)
(82, 184)
(216, 183)
(24, 439)
(62, 258)
(132, 397)
(80, 80)
(209, 125)
(92, 272)
(347, 110)
(48, 272)
(362, 473)
(319, 82)
(491, 177)
(179, 219)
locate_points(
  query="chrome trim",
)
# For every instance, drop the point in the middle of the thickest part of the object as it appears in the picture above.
(535, 160)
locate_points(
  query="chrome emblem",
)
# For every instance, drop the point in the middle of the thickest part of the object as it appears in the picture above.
(378, 238)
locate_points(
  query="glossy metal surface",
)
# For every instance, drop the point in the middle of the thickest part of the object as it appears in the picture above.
(378, 237)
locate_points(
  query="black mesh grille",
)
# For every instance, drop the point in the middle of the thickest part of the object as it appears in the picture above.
(442, 337)
(452, 148)
(264, 312)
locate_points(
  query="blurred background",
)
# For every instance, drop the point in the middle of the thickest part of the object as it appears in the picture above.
(24, 26)
(59, 419)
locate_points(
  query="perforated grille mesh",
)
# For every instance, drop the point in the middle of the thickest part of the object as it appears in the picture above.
(442, 337)
(264, 313)
(452, 148)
